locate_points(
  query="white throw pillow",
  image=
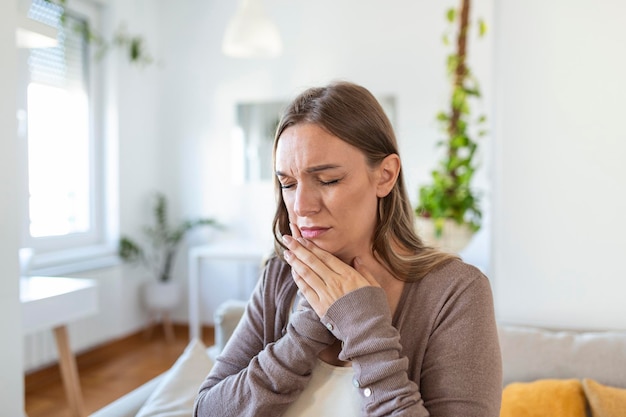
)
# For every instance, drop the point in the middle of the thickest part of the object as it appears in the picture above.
(177, 391)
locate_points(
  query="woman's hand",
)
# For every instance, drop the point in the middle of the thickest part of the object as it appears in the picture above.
(322, 277)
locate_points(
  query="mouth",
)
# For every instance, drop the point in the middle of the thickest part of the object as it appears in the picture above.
(312, 232)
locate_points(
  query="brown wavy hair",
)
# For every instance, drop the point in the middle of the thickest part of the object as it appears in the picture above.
(351, 113)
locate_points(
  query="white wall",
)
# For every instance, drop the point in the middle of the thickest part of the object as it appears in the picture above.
(134, 148)
(391, 50)
(538, 68)
(11, 377)
(559, 221)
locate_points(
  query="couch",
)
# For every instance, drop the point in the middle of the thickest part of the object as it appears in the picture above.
(546, 372)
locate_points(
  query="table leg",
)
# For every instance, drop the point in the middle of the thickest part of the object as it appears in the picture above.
(69, 373)
(168, 328)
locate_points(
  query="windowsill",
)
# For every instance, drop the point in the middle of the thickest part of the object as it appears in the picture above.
(73, 261)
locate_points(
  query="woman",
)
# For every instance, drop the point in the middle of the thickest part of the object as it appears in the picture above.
(354, 316)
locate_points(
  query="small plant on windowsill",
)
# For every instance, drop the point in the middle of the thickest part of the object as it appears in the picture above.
(449, 200)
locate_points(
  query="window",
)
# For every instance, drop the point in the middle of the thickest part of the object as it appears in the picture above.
(61, 107)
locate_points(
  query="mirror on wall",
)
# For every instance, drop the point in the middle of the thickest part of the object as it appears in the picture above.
(256, 123)
(254, 135)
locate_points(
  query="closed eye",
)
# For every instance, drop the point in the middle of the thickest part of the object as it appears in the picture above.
(332, 182)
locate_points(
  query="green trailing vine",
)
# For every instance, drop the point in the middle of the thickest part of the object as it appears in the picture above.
(134, 46)
(450, 194)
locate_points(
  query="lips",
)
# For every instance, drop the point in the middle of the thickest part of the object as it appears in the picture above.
(312, 232)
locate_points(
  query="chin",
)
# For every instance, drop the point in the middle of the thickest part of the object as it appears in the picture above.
(341, 250)
(342, 254)
(327, 246)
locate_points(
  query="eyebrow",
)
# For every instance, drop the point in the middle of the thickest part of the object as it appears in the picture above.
(313, 169)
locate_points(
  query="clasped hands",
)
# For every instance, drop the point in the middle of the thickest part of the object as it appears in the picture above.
(321, 277)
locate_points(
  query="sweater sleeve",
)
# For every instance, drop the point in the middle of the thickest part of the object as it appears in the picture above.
(462, 367)
(252, 378)
(457, 353)
(362, 321)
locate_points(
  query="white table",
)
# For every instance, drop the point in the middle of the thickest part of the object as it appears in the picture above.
(234, 251)
(51, 303)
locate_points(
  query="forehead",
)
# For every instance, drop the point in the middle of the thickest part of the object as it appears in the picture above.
(305, 145)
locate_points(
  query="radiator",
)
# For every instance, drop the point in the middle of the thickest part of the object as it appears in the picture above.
(39, 350)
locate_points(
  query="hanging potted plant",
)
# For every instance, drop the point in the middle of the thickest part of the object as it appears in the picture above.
(448, 212)
(162, 243)
(134, 47)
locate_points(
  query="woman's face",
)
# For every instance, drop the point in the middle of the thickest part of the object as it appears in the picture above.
(329, 190)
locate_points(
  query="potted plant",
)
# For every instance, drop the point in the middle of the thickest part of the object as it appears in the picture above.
(133, 46)
(448, 211)
(163, 241)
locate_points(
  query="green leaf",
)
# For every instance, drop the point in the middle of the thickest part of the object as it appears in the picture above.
(472, 91)
(451, 15)
(452, 63)
(135, 49)
(449, 194)
(458, 99)
(128, 250)
(443, 116)
(458, 141)
(482, 27)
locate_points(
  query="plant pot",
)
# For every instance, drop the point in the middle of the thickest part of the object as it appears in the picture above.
(162, 296)
(454, 238)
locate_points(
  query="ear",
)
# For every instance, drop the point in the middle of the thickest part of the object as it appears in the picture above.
(388, 172)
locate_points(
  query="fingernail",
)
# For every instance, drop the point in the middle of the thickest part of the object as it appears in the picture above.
(287, 254)
(287, 239)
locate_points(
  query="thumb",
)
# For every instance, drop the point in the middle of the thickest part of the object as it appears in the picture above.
(362, 269)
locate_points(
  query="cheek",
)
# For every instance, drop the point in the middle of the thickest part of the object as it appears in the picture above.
(358, 205)
(288, 202)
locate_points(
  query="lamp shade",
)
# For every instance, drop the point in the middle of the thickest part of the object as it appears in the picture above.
(250, 34)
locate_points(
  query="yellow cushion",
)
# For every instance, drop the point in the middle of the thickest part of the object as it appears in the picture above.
(605, 401)
(544, 398)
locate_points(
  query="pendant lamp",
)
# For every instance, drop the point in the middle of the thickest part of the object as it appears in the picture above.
(251, 34)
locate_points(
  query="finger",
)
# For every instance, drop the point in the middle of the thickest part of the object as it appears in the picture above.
(303, 287)
(328, 261)
(295, 231)
(330, 277)
(300, 264)
(305, 262)
(307, 295)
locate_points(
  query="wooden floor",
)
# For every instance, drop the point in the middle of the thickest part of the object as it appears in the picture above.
(107, 372)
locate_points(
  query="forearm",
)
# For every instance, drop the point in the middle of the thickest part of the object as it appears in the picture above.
(373, 346)
(272, 379)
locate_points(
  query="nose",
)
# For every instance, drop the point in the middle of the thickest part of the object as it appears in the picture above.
(306, 201)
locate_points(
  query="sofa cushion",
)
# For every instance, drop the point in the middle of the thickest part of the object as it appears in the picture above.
(226, 318)
(544, 398)
(529, 354)
(605, 401)
(175, 394)
(129, 404)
